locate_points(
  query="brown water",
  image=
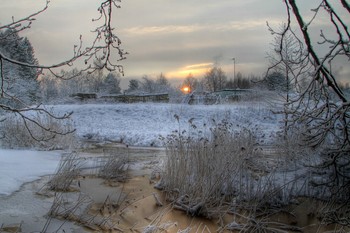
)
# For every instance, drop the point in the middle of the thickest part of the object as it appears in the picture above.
(139, 209)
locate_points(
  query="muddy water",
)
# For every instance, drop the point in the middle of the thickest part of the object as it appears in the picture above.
(135, 204)
(139, 210)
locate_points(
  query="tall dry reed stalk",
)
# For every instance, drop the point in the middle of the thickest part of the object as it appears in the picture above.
(67, 171)
(202, 173)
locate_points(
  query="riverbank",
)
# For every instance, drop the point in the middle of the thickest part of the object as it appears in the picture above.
(94, 204)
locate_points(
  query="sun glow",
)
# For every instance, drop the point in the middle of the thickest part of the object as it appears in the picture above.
(186, 89)
(196, 70)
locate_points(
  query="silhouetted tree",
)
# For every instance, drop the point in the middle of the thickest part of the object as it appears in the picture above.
(215, 79)
(276, 81)
(134, 85)
(191, 82)
(240, 81)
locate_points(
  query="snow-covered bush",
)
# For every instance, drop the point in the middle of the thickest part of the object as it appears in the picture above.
(291, 149)
(202, 172)
(15, 133)
(223, 168)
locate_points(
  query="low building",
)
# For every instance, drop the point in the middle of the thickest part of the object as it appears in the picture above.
(135, 98)
(222, 96)
(231, 95)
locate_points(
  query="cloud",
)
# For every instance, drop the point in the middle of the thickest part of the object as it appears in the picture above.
(158, 30)
(174, 37)
(201, 65)
(183, 29)
(194, 69)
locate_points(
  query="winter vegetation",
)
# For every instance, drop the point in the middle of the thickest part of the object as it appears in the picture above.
(68, 171)
(20, 70)
(114, 167)
(318, 103)
(243, 163)
(45, 132)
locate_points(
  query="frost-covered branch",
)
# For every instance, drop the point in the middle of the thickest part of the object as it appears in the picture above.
(318, 105)
(24, 23)
(106, 48)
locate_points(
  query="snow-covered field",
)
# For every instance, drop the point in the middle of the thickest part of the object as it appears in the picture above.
(142, 124)
(132, 124)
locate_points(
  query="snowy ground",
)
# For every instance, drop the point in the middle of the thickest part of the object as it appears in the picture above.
(133, 124)
(142, 124)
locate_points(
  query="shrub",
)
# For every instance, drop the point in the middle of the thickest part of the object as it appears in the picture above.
(15, 134)
(203, 172)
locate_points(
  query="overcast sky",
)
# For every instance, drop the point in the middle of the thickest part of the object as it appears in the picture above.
(176, 37)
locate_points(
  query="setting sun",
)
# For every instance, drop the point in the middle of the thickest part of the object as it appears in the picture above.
(186, 89)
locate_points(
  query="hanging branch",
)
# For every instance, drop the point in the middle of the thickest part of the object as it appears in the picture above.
(321, 108)
(106, 47)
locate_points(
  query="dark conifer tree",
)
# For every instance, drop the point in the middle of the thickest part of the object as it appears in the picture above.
(20, 81)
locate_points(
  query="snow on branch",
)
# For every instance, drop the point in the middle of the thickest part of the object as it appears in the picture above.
(19, 69)
(316, 102)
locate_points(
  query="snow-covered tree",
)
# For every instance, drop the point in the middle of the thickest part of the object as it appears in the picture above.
(158, 85)
(215, 79)
(106, 46)
(53, 88)
(111, 84)
(162, 83)
(321, 107)
(49, 88)
(19, 81)
(148, 85)
(134, 85)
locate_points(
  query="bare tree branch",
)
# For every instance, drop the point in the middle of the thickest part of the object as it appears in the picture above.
(106, 47)
(319, 106)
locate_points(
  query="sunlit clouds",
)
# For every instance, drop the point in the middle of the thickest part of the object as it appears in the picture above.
(173, 37)
(196, 70)
(162, 36)
(171, 29)
(163, 29)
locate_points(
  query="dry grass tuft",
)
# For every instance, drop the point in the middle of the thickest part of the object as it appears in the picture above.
(114, 166)
(67, 171)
